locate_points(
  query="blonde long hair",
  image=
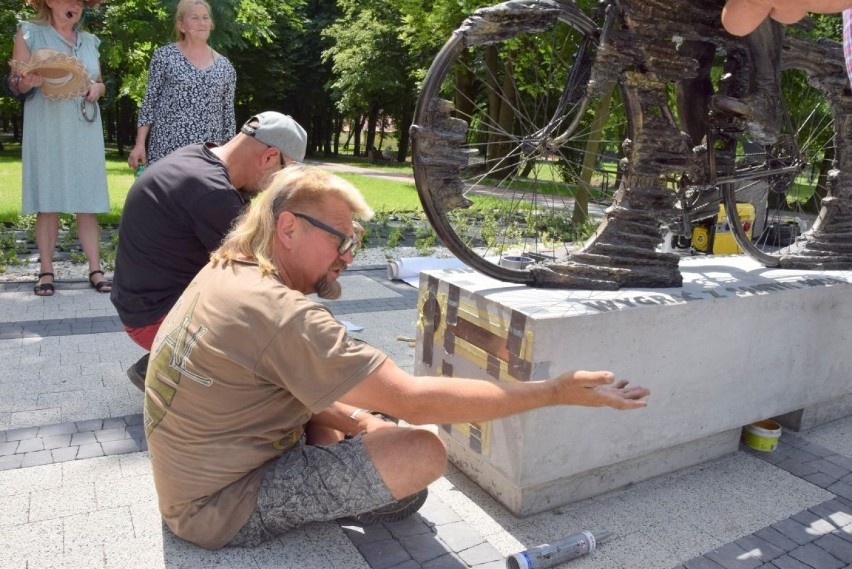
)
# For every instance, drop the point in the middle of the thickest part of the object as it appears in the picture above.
(295, 188)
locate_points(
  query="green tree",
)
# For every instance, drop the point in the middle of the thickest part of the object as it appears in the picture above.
(427, 25)
(130, 31)
(372, 68)
(11, 11)
(291, 76)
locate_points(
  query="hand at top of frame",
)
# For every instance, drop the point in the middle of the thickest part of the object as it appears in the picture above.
(599, 389)
(741, 17)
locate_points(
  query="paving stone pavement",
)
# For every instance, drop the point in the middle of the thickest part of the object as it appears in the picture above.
(76, 490)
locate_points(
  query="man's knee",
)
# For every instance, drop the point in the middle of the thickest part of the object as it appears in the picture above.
(408, 459)
(409, 442)
(431, 449)
(425, 457)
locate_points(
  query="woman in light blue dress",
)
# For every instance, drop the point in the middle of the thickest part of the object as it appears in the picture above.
(64, 167)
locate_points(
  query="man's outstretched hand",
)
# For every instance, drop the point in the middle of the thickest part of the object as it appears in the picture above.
(599, 389)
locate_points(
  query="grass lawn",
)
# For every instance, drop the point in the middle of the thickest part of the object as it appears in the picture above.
(384, 195)
(119, 180)
(349, 160)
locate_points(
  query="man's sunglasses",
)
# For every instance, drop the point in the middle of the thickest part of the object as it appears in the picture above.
(347, 243)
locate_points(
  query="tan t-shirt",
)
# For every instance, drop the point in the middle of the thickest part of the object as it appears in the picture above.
(238, 366)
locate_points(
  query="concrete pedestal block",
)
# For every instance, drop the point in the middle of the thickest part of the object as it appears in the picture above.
(736, 344)
(819, 414)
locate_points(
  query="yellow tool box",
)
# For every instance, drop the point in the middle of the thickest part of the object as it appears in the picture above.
(718, 238)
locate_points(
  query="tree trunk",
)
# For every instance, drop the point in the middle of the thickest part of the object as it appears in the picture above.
(372, 121)
(403, 135)
(359, 123)
(465, 89)
(383, 122)
(500, 113)
(338, 130)
(581, 199)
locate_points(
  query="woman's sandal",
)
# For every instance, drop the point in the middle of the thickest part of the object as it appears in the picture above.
(102, 286)
(43, 289)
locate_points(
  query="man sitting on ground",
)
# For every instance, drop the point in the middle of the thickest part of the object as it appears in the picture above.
(245, 364)
(179, 210)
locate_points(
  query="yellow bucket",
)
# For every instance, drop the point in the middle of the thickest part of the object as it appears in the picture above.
(762, 435)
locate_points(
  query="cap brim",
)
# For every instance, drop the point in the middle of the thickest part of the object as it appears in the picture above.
(741, 17)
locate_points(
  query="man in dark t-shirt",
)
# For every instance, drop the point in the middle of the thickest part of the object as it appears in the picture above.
(179, 210)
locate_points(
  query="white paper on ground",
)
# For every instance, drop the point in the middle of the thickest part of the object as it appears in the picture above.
(350, 327)
(408, 269)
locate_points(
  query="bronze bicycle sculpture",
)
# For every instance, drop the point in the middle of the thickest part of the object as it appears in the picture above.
(538, 121)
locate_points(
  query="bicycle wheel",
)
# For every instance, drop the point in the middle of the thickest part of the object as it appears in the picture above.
(782, 201)
(515, 156)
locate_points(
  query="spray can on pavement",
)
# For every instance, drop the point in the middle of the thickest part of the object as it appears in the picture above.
(550, 554)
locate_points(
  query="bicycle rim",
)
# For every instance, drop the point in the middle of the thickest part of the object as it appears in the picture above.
(768, 215)
(506, 144)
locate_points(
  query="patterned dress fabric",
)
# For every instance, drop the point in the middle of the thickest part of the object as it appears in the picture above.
(64, 166)
(184, 104)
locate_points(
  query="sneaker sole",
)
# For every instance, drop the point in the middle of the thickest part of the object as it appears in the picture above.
(136, 378)
(395, 512)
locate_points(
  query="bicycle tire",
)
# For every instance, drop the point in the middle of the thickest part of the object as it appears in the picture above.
(813, 91)
(500, 190)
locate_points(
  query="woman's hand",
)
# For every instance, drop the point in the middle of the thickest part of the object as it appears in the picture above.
(30, 81)
(95, 92)
(137, 156)
(596, 389)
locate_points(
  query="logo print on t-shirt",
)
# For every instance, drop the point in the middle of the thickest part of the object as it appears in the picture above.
(170, 365)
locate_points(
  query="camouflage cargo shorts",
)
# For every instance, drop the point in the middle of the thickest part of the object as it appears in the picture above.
(314, 484)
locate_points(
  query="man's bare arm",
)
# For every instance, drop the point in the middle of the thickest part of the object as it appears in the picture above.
(421, 400)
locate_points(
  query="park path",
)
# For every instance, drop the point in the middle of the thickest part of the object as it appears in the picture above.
(373, 172)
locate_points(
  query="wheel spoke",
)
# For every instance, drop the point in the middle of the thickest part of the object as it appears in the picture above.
(528, 137)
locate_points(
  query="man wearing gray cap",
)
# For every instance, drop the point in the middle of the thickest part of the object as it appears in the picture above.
(179, 210)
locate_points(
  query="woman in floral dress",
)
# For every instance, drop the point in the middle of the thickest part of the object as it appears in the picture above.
(190, 94)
